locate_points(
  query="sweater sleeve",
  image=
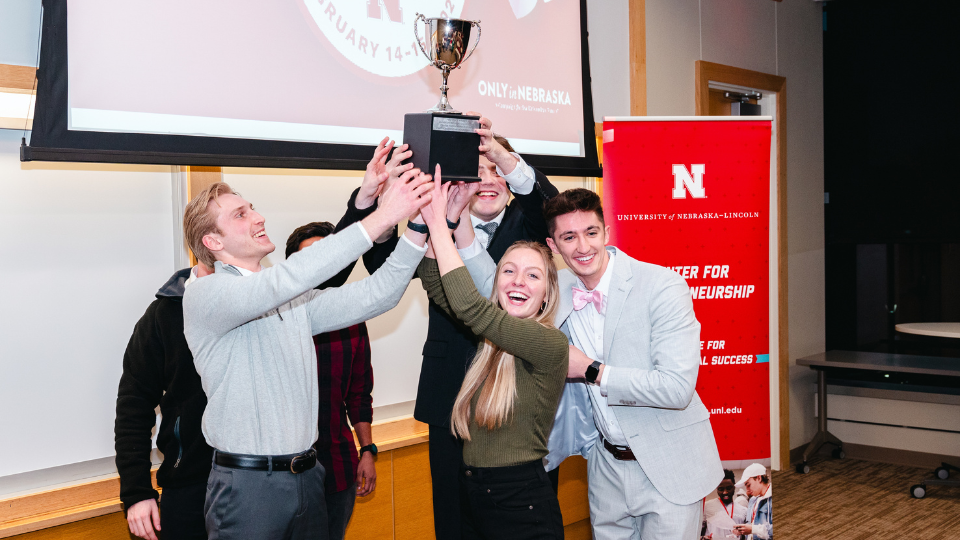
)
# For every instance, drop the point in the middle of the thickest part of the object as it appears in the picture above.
(141, 386)
(532, 203)
(365, 299)
(212, 307)
(543, 347)
(351, 216)
(429, 274)
(359, 398)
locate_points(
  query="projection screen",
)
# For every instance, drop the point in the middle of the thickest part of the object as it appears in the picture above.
(301, 83)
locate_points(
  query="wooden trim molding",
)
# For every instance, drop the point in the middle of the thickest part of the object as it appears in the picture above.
(638, 57)
(17, 79)
(198, 179)
(54, 507)
(709, 71)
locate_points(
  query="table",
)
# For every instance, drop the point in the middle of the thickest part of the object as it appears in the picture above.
(936, 329)
(881, 371)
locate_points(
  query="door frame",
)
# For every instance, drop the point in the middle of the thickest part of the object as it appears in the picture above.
(707, 72)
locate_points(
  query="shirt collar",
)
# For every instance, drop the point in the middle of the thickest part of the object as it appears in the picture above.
(243, 271)
(477, 221)
(604, 285)
(192, 278)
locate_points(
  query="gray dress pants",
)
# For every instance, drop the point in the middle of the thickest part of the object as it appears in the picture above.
(261, 505)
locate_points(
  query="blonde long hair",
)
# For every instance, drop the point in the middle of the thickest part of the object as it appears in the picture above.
(493, 371)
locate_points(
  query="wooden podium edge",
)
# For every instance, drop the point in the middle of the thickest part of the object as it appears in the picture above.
(28, 513)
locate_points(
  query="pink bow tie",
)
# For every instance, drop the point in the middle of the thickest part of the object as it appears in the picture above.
(581, 298)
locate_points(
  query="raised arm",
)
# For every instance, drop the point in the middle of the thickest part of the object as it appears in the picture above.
(382, 171)
(357, 302)
(530, 187)
(221, 303)
(524, 338)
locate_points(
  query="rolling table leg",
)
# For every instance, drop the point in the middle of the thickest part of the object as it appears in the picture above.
(823, 436)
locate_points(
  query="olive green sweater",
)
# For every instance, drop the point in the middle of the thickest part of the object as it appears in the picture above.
(540, 354)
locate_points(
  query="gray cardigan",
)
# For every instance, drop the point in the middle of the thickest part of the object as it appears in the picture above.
(251, 339)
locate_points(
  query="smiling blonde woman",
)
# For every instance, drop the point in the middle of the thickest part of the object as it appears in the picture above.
(505, 408)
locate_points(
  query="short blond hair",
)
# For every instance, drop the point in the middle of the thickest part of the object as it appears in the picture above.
(199, 220)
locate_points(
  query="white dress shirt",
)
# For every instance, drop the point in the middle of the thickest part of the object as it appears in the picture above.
(586, 331)
(481, 235)
(193, 277)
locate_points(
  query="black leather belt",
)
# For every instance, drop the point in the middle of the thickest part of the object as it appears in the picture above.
(296, 463)
(623, 453)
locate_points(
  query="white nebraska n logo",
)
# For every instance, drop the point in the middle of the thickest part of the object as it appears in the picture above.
(693, 183)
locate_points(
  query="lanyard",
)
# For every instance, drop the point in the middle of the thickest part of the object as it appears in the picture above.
(703, 508)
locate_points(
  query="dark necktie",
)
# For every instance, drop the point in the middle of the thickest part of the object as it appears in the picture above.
(488, 228)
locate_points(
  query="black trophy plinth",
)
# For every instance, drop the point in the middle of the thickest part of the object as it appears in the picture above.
(447, 139)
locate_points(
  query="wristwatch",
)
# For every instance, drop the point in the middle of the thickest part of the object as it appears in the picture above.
(592, 372)
(372, 448)
(418, 227)
(453, 226)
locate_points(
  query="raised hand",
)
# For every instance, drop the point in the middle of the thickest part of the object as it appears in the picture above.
(491, 149)
(394, 168)
(435, 213)
(375, 176)
(460, 195)
(403, 198)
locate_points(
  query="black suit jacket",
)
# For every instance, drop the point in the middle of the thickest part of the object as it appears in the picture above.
(451, 346)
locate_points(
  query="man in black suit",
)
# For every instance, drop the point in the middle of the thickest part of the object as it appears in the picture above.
(450, 346)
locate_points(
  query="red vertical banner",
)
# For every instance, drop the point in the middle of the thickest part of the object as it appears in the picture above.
(694, 196)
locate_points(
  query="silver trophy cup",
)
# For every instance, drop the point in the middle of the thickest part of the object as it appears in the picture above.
(447, 41)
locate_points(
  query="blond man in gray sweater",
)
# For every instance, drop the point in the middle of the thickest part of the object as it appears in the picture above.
(250, 331)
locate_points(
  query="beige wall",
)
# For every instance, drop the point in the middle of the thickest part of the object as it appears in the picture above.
(781, 38)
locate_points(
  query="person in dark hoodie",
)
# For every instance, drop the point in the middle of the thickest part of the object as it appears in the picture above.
(158, 370)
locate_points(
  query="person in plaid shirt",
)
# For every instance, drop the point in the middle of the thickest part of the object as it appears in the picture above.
(346, 382)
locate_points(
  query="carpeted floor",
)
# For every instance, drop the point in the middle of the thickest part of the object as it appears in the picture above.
(860, 500)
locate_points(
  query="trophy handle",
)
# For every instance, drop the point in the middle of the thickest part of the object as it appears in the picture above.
(417, 34)
(475, 43)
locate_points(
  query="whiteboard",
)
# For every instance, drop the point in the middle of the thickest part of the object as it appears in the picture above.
(86, 248)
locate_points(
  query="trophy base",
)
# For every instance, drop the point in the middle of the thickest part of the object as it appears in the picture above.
(437, 109)
(444, 138)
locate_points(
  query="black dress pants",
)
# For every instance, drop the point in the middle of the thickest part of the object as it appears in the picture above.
(181, 513)
(515, 502)
(446, 456)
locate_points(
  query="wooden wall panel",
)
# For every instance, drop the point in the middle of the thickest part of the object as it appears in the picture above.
(373, 515)
(578, 531)
(573, 490)
(18, 79)
(413, 493)
(109, 527)
(638, 57)
(401, 508)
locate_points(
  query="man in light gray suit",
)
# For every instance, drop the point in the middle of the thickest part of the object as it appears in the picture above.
(251, 330)
(638, 419)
